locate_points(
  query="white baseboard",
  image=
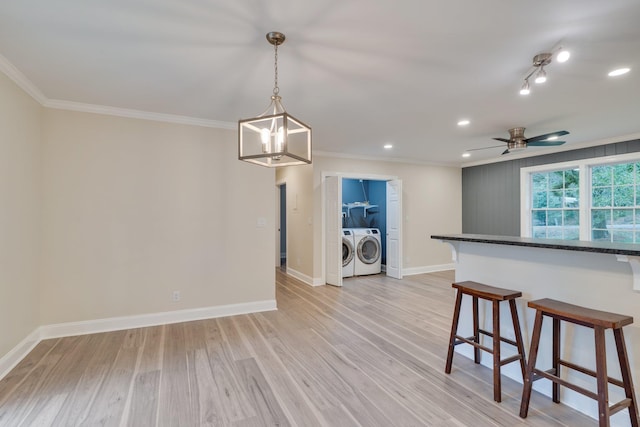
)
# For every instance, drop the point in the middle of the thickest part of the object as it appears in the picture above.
(427, 269)
(15, 355)
(304, 278)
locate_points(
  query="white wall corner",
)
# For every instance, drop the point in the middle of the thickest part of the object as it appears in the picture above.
(16, 354)
(308, 280)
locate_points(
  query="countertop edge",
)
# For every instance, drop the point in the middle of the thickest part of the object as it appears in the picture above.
(568, 245)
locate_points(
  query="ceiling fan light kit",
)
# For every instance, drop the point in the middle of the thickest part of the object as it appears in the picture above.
(540, 61)
(274, 138)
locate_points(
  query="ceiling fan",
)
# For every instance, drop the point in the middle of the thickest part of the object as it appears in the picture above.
(517, 141)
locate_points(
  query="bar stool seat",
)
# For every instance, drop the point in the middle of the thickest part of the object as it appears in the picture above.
(599, 321)
(495, 295)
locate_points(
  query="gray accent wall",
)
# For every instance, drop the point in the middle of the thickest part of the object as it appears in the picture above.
(491, 193)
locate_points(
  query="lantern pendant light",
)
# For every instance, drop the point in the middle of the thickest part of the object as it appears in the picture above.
(274, 138)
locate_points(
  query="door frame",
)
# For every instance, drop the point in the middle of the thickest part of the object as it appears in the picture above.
(349, 175)
(278, 226)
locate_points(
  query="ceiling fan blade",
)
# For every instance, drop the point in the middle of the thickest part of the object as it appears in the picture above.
(546, 136)
(544, 143)
(501, 139)
(485, 148)
(505, 152)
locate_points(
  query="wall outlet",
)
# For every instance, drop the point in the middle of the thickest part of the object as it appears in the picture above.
(175, 296)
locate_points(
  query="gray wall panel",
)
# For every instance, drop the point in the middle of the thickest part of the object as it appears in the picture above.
(491, 193)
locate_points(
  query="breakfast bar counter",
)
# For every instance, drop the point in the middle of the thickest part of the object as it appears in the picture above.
(599, 275)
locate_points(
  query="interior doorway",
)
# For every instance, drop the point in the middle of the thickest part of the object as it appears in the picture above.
(334, 217)
(281, 230)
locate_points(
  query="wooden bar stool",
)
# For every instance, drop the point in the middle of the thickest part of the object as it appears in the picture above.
(495, 295)
(598, 321)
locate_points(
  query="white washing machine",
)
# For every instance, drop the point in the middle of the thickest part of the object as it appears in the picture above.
(368, 244)
(348, 252)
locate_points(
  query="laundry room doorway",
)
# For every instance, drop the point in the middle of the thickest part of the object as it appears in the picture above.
(361, 213)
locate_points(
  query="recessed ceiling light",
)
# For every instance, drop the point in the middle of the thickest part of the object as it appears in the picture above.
(464, 122)
(619, 72)
(466, 154)
(388, 146)
(552, 137)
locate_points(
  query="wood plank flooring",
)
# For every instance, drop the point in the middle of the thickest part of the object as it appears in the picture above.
(369, 354)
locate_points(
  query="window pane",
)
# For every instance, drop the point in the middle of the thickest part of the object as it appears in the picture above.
(539, 182)
(572, 233)
(556, 180)
(601, 197)
(571, 178)
(540, 200)
(554, 233)
(538, 218)
(623, 217)
(622, 236)
(571, 217)
(539, 232)
(623, 196)
(555, 212)
(571, 199)
(623, 174)
(555, 199)
(601, 176)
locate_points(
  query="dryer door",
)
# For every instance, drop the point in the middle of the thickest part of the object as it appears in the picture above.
(347, 251)
(368, 250)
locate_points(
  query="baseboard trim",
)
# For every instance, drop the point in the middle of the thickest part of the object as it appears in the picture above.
(17, 353)
(427, 269)
(307, 280)
(58, 330)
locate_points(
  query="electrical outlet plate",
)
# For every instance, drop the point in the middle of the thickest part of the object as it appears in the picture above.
(175, 296)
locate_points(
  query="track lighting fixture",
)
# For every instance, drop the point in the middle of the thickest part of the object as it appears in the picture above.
(540, 61)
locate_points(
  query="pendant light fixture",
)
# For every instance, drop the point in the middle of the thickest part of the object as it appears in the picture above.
(274, 138)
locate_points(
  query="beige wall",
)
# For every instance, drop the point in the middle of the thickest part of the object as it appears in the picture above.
(299, 180)
(136, 209)
(431, 203)
(20, 194)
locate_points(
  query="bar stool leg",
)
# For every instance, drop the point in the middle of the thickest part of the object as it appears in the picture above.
(518, 332)
(625, 370)
(497, 386)
(454, 331)
(476, 329)
(601, 377)
(556, 359)
(531, 364)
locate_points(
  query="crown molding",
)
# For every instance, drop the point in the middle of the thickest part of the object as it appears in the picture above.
(21, 80)
(137, 114)
(27, 85)
(382, 159)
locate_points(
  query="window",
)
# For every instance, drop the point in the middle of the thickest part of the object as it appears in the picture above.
(594, 199)
(555, 203)
(615, 203)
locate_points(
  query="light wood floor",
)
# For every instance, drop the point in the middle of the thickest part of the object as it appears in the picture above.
(369, 354)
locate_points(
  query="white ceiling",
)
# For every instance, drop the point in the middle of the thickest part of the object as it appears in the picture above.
(361, 73)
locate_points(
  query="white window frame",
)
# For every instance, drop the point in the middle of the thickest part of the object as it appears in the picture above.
(584, 167)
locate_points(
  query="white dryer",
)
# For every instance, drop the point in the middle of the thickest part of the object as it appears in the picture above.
(368, 246)
(348, 252)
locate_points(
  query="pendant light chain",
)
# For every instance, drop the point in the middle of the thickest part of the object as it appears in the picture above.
(276, 89)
